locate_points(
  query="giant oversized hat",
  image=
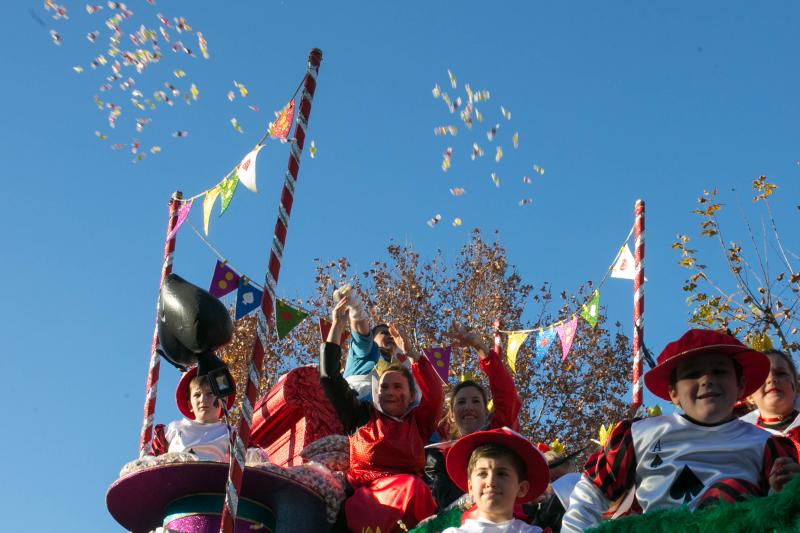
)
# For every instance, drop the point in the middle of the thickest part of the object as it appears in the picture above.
(755, 365)
(458, 456)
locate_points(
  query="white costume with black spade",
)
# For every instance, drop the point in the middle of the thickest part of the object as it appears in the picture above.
(671, 461)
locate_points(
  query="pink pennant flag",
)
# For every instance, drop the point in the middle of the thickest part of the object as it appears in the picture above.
(566, 332)
(224, 281)
(440, 359)
(183, 212)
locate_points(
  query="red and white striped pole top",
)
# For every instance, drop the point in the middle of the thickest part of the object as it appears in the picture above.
(638, 306)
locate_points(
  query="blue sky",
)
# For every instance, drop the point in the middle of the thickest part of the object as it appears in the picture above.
(617, 101)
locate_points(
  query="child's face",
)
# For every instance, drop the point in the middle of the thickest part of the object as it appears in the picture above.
(706, 388)
(494, 486)
(203, 403)
(776, 396)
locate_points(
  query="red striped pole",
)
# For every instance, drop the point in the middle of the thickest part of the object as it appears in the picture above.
(151, 389)
(265, 312)
(638, 306)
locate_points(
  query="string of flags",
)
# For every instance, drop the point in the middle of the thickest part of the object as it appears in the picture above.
(622, 267)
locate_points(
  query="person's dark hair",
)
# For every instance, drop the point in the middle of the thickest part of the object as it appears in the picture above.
(375, 328)
(412, 385)
(737, 368)
(786, 357)
(496, 451)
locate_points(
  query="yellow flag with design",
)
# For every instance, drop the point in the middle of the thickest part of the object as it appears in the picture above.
(208, 205)
(515, 340)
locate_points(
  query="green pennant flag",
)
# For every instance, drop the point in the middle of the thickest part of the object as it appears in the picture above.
(226, 190)
(287, 317)
(590, 311)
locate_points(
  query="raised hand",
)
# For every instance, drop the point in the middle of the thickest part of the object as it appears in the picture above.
(402, 342)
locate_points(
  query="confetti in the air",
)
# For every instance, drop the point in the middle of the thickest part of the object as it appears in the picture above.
(481, 96)
(495, 180)
(92, 36)
(452, 77)
(155, 150)
(456, 222)
(515, 140)
(457, 191)
(253, 108)
(201, 41)
(492, 132)
(312, 150)
(506, 113)
(446, 157)
(241, 87)
(526, 180)
(435, 220)
(444, 130)
(437, 91)
(236, 125)
(78, 69)
(91, 9)
(195, 92)
(179, 73)
(180, 133)
(539, 170)
(55, 37)
(477, 151)
(525, 201)
(231, 96)
(478, 115)
(498, 155)
(101, 136)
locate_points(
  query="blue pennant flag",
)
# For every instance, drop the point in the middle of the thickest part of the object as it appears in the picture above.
(248, 297)
(544, 339)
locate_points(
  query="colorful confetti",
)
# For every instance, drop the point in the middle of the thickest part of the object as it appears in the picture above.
(91, 9)
(456, 222)
(155, 150)
(446, 157)
(92, 36)
(180, 133)
(525, 201)
(444, 130)
(253, 108)
(495, 180)
(539, 170)
(78, 69)
(201, 41)
(194, 91)
(179, 73)
(498, 154)
(477, 151)
(312, 150)
(55, 37)
(435, 220)
(506, 113)
(241, 87)
(515, 140)
(492, 132)
(231, 96)
(437, 91)
(457, 191)
(452, 77)
(526, 180)
(236, 126)
(101, 136)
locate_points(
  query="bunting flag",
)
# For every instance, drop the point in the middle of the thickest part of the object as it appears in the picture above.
(224, 280)
(325, 327)
(247, 169)
(208, 205)
(544, 339)
(440, 359)
(280, 128)
(248, 298)
(624, 268)
(183, 212)
(226, 189)
(515, 340)
(566, 332)
(287, 317)
(590, 311)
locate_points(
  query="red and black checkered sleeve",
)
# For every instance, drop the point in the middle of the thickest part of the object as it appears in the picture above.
(613, 470)
(159, 445)
(776, 446)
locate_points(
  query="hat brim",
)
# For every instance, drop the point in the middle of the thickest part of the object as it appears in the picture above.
(755, 368)
(182, 394)
(139, 500)
(535, 465)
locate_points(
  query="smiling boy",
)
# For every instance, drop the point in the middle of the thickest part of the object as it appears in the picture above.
(498, 468)
(700, 456)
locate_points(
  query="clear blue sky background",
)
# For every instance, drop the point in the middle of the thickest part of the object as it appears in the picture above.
(617, 101)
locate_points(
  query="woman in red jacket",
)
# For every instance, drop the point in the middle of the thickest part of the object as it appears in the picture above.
(468, 411)
(387, 435)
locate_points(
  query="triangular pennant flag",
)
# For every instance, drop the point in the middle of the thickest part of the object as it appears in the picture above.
(325, 327)
(183, 212)
(440, 359)
(280, 129)
(624, 268)
(227, 188)
(515, 340)
(566, 332)
(248, 297)
(287, 317)
(224, 281)
(247, 169)
(544, 339)
(208, 205)
(590, 311)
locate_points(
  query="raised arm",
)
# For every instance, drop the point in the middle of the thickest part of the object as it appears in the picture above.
(359, 318)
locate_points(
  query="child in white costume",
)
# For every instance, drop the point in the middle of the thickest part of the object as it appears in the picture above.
(695, 458)
(498, 468)
(202, 430)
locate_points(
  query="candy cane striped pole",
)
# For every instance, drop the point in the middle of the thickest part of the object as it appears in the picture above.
(151, 390)
(638, 306)
(265, 312)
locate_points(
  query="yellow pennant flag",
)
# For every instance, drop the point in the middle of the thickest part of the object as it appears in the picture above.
(208, 205)
(515, 340)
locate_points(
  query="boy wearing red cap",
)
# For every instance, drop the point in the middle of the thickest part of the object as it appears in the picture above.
(498, 468)
(201, 431)
(699, 456)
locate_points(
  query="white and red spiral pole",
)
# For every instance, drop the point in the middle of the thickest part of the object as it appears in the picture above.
(265, 312)
(638, 306)
(151, 389)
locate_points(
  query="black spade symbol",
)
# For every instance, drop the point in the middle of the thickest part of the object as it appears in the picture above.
(686, 486)
(656, 461)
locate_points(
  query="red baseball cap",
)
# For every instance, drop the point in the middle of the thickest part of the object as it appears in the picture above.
(182, 394)
(459, 454)
(755, 365)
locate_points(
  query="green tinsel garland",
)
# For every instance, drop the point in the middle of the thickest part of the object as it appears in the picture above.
(777, 513)
(440, 522)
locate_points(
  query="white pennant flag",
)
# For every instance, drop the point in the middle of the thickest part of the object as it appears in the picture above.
(624, 268)
(247, 169)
